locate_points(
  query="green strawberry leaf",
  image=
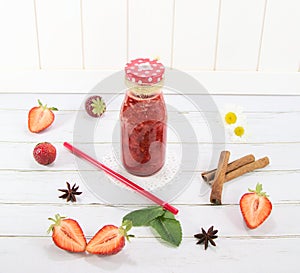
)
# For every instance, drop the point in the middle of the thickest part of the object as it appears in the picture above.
(143, 217)
(168, 229)
(258, 190)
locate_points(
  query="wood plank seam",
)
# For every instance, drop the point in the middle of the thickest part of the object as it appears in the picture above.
(172, 35)
(127, 30)
(261, 35)
(82, 35)
(37, 35)
(217, 35)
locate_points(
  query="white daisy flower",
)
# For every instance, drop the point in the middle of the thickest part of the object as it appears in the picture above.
(235, 123)
(232, 114)
(240, 133)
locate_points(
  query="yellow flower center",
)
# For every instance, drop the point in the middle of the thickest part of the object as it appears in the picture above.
(230, 118)
(239, 131)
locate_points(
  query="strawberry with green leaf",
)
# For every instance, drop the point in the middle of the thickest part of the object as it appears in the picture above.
(40, 117)
(109, 239)
(67, 234)
(255, 207)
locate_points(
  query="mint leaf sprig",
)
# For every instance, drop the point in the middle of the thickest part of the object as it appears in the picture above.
(162, 221)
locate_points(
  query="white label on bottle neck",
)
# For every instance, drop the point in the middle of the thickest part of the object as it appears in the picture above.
(144, 66)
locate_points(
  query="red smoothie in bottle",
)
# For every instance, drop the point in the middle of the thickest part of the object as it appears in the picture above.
(143, 120)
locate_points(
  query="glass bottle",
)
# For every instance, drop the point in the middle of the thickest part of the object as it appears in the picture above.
(143, 118)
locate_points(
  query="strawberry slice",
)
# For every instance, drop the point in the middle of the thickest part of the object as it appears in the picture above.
(67, 234)
(40, 117)
(109, 239)
(255, 207)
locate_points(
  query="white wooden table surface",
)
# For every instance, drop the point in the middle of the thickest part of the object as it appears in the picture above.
(29, 191)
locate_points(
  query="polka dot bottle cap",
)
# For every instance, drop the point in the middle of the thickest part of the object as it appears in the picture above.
(144, 71)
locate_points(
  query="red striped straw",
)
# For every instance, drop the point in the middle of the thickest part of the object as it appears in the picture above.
(121, 178)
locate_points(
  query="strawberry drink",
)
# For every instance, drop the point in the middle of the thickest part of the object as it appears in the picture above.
(143, 118)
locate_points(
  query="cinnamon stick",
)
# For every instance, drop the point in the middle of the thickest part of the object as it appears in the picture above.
(209, 175)
(217, 186)
(258, 164)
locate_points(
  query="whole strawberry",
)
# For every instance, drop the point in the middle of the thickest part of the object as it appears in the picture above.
(44, 153)
(255, 207)
(67, 234)
(109, 239)
(40, 117)
(95, 106)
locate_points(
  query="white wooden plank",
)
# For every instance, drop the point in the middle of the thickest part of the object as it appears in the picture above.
(150, 29)
(195, 30)
(35, 187)
(198, 193)
(64, 81)
(230, 255)
(67, 81)
(239, 34)
(63, 126)
(281, 39)
(65, 160)
(72, 102)
(83, 81)
(59, 28)
(19, 47)
(257, 83)
(92, 217)
(42, 187)
(104, 34)
(260, 119)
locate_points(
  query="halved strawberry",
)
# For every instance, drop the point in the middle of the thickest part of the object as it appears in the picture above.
(109, 239)
(67, 234)
(255, 207)
(40, 117)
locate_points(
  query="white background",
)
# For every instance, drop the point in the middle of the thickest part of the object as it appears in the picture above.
(234, 35)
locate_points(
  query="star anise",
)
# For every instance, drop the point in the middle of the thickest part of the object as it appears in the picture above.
(70, 193)
(207, 237)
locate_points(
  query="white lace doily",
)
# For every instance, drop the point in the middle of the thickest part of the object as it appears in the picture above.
(164, 177)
